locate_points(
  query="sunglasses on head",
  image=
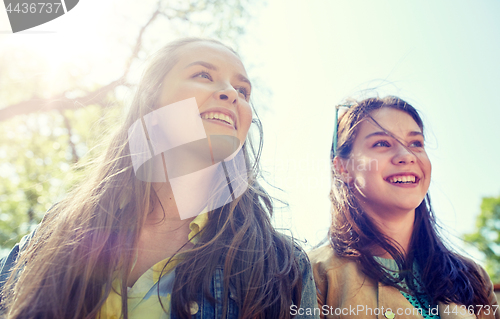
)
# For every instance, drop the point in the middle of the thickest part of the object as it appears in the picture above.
(336, 126)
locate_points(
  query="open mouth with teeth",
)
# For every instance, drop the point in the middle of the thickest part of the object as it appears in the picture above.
(218, 117)
(403, 179)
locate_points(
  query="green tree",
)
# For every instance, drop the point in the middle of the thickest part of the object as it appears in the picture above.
(486, 238)
(46, 139)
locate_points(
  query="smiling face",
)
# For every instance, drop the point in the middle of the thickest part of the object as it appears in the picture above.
(387, 177)
(217, 79)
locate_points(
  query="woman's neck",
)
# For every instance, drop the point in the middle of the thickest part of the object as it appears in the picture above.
(398, 227)
(163, 234)
(166, 229)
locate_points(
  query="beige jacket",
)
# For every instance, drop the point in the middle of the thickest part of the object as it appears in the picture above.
(343, 291)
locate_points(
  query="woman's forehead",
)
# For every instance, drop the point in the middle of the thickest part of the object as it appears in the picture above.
(395, 121)
(209, 52)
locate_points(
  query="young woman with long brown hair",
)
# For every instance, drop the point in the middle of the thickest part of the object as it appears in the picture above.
(386, 257)
(130, 241)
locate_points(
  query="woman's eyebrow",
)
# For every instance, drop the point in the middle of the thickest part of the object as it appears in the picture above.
(210, 66)
(202, 63)
(242, 78)
(415, 133)
(382, 133)
(378, 133)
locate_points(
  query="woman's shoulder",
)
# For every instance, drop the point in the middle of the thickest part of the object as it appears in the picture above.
(283, 240)
(324, 259)
(322, 254)
(485, 278)
(474, 266)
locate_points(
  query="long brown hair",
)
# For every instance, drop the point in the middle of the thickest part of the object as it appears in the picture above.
(447, 276)
(88, 239)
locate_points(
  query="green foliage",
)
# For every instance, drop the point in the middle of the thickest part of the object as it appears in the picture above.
(487, 236)
(37, 157)
(44, 154)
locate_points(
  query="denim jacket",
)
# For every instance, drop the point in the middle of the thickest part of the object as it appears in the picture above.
(203, 308)
(206, 310)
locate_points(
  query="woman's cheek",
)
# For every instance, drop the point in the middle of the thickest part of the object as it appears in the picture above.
(245, 113)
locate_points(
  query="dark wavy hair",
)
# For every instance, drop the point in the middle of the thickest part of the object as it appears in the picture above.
(88, 239)
(447, 277)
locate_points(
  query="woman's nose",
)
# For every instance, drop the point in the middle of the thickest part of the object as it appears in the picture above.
(403, 156)
(228, 94)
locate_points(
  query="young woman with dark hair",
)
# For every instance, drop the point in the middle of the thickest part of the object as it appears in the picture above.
(121, 245)
(386, 257)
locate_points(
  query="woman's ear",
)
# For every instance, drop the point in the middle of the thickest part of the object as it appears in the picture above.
(340, 168)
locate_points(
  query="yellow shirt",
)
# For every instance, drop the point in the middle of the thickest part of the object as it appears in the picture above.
(143, 300)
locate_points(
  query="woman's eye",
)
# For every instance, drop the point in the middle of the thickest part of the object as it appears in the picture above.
(242, 91)
(382, 144)
(204, 75)
(417, 144)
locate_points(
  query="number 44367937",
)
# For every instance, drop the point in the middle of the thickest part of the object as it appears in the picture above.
(45, 7)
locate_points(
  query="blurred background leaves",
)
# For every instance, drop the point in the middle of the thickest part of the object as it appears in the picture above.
(486, 237)
(55, 111)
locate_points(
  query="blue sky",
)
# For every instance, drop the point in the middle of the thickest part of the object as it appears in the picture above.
(306, 56)
(441, 56)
